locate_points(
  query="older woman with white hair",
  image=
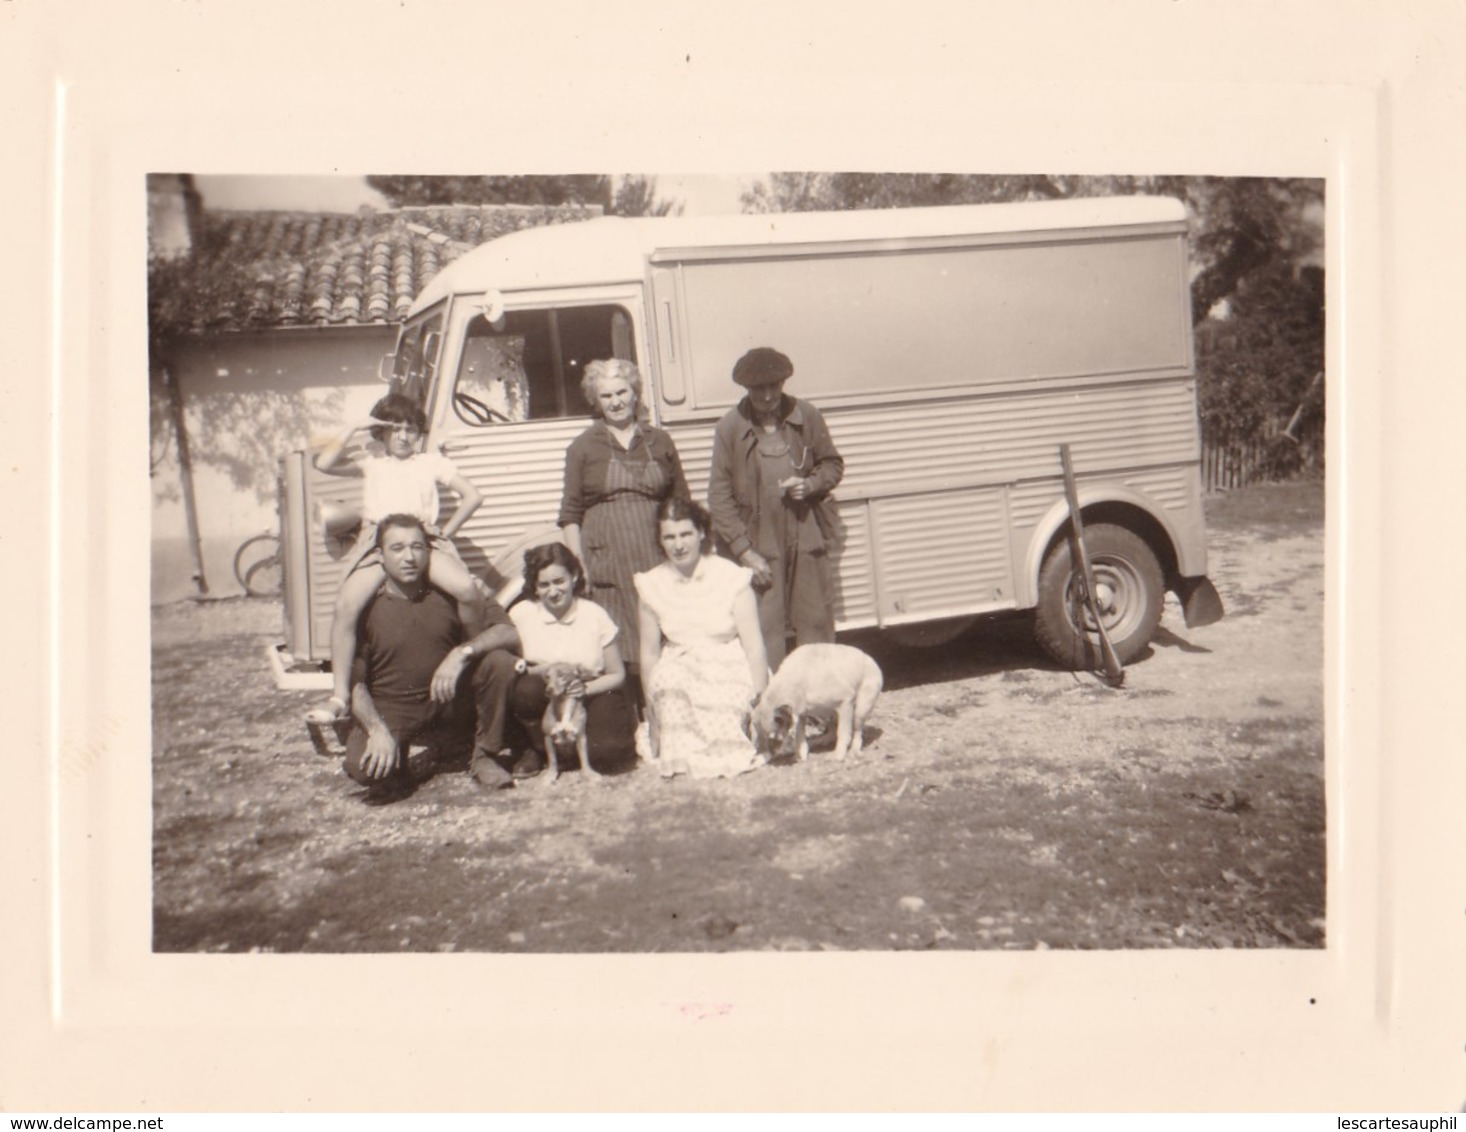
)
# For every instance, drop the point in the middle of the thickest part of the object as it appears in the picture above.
(617, 472)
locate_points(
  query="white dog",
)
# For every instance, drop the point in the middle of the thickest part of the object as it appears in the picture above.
(835, 678)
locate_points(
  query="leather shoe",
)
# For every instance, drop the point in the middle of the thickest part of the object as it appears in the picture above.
(531, 763)
(389, 790)
(487, 772)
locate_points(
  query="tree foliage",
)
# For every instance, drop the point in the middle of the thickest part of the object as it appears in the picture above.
(636, 195)
(1255, 243)
(543, 189)
(198, 292)
(1259, 363)
(633, 195)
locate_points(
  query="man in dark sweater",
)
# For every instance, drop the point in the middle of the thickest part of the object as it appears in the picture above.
(410, 704)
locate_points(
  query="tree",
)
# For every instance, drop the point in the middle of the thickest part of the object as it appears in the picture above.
(791, 192)
(1258, 365)
(636, 195)
(542, 189)
(631, 195)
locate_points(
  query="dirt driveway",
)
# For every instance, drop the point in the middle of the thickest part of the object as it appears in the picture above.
(1003, 804)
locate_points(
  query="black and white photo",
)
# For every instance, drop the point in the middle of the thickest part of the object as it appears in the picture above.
(1101, 734)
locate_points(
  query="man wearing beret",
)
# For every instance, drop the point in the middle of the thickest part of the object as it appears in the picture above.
(774, 467)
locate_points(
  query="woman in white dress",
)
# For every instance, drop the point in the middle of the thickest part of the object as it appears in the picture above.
(702, 651)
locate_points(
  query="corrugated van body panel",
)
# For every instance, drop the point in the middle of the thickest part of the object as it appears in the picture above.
(325, 558)
(855, 575)
(942, 554)
(918, 464)
(925, 468)
(295, 540)
(990, 439)
(1167, 488)
(695, 447)
(521, 471)
(929, 484)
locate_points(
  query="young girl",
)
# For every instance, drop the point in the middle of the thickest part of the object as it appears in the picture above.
(404, 480)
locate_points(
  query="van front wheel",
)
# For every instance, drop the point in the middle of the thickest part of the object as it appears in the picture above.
(1128, 589)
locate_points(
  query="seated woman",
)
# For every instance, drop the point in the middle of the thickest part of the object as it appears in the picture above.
(559, 626)
(702, 652)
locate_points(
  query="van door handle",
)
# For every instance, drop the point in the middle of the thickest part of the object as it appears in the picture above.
(670, 337)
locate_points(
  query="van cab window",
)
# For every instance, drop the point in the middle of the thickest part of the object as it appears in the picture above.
(527, 365)
(417, 359)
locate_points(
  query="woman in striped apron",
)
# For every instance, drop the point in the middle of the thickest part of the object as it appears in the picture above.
(616, 474)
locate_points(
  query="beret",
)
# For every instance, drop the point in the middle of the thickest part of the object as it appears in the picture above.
(762, 366)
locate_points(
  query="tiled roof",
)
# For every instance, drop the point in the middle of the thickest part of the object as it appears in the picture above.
(342, 269)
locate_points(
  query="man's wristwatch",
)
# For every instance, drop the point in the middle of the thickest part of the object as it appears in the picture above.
(467, 651)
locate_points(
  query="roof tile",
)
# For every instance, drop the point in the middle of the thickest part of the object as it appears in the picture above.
(304, 268)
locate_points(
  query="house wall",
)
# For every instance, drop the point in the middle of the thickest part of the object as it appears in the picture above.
(249, 399)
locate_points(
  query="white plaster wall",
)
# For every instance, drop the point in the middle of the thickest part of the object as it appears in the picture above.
(248, 400)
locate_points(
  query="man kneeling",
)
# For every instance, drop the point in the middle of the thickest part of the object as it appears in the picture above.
(407, 692)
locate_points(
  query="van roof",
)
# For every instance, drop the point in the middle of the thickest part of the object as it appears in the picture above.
(615, 249)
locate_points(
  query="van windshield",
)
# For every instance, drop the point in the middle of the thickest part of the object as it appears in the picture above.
(417, 358)
(527, 365)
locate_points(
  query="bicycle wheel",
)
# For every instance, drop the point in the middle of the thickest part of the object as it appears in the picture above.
(257, 565)
(264, 578)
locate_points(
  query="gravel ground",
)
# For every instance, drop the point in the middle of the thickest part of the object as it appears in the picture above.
(1000, 803)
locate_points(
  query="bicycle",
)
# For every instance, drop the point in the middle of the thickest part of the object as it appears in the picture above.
(257, 565)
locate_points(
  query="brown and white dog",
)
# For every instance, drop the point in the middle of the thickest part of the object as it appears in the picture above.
(564, 719)
(835, 678)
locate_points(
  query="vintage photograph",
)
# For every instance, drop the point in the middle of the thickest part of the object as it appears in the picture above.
(770, 561)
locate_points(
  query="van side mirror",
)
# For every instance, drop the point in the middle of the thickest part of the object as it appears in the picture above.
(387, 367)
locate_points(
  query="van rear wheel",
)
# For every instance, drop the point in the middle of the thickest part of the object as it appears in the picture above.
(1128, 589)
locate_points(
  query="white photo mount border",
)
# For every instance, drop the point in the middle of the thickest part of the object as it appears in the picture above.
(996, 1027)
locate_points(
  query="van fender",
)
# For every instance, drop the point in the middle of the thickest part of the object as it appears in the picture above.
(504, 577)
(1058, 514)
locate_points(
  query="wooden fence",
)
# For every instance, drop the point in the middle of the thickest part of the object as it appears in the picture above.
(1268, 458)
